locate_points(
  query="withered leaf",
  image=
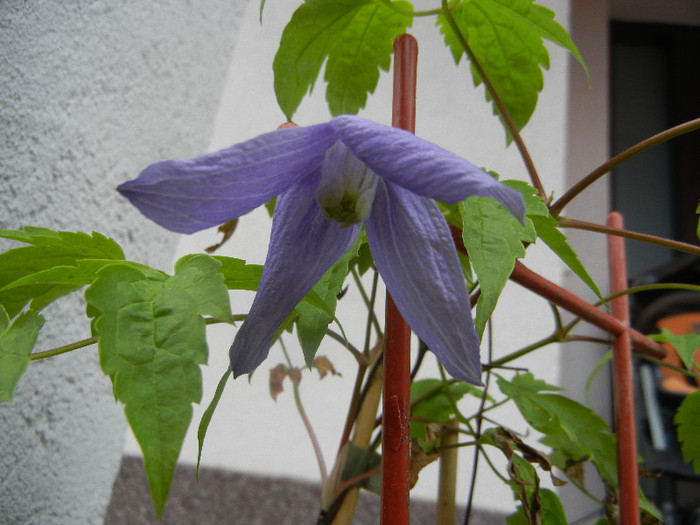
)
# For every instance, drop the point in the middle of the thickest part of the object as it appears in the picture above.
(227, 229)
(324, 366)
(276, 377)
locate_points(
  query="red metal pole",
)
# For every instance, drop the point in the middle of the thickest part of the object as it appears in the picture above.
(396, 445)
(623, 386)
(572, 303)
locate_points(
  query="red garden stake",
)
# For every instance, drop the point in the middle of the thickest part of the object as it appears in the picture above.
(623, 388)
(396, 445)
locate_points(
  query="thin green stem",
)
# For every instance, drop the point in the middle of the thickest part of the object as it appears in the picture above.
(63, 349)
(426, 12)
(554, 338)
(477, 434)
(92, 340)
(357, 392)
(652, 239)
(359, 356)
(305, 419)
(597, 173)
(505, 114)
(675, 368)
(366, 299)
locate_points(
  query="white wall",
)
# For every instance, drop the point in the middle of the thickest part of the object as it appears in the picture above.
(252, 433)
(91, 92)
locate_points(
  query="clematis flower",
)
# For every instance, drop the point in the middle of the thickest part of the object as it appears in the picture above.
(330, 180)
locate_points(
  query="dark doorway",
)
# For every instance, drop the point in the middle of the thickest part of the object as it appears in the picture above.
(655, 85)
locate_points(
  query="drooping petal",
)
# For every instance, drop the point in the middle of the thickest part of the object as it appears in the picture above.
(303, 245)
(420, 166)
(414, 253)
(190, 195)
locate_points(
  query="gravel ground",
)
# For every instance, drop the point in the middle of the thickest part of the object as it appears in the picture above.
(224, 497)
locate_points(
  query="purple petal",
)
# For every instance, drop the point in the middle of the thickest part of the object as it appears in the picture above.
(190, 195)
(415, 255)
(420, 166)
(303, 245)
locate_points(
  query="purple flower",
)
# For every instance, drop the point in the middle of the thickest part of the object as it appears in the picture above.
(331, 179)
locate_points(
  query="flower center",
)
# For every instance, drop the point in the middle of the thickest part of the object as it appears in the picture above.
(346, 190)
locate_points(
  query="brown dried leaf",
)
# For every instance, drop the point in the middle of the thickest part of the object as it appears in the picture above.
(324, 366)
(276, 377)
(294, 375)
(227, 229)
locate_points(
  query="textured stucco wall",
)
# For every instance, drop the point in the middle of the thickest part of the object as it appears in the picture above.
(91, 92)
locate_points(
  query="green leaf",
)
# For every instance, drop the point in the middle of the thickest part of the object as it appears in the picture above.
(687, 419)
(313, 321)
(238, 275)
(356, 36)
(364, 257)
(493, 238)
(151, 341)
(534, 205)
(552, 512)
(687, 345)
(198, 275)
(553, 237)
(648, 506)
(506, 39)
(573, 430)
(16, 343)
(431, 403)
(546, 227)
(206, 417)
(56, 264)
(357, 462)
(607, 358)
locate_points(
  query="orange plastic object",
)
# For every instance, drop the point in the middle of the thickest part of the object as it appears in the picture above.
(679, 324)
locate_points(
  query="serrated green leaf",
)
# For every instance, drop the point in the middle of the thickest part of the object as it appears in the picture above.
(356, 36)
(494, 239)
(238, 275)
(506, 38)
(53, 266)
(554, 238)
(313, 321)
(207, 415)
(534, 205)
(687, 345)
(526, 382)
(198, 275)
(573, 430)
(546, 228)
(16, 343)
(687, 420)
(151, 342)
